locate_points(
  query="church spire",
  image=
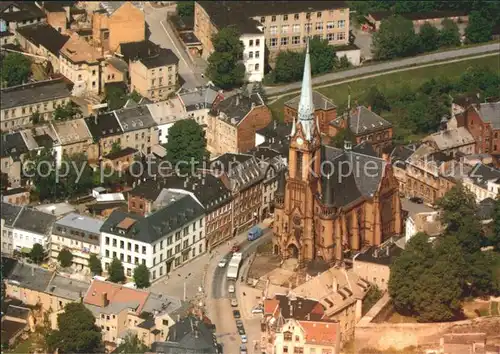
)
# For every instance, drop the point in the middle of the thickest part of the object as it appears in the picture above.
(306, 105)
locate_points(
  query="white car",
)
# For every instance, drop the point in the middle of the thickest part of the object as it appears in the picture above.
(222, 263)
(244, 338)
(258, 309)
(231, 288)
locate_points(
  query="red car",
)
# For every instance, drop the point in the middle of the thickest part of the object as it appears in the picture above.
(235, 248)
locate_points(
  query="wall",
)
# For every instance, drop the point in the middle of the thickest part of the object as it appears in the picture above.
(57, 20)
(23, 238)
(258, 118)
(354, 56)
(85, 76)
(377, 274)
(204, 30)
(153, 83)
(253, 56)
(127, 24)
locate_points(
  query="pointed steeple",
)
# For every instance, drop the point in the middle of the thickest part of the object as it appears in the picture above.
(306, 105)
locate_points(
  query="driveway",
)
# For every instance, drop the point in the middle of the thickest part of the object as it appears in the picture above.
(163, 35)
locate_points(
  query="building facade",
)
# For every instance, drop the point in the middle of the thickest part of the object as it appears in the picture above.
(319, 214)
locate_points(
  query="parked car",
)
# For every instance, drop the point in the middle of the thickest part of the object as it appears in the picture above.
(243, 349)
(234, 303)
(236, 314)
(241, 331)
(231, 289)
(239, 323)
(417, 200)
(244, 338)
(235, 248)
(222, 263)
(257, 309)
(254, 233)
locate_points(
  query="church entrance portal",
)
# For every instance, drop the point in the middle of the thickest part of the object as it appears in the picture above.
(293, 251)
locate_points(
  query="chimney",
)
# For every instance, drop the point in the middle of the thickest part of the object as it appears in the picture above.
(238, 99)
(335, 284)
(347, 145)
(105, 301)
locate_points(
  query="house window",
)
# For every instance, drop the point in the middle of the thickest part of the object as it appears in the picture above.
(284, 29)
(296, 40)
(340, 36)
(319, 26)
(318, 15)
(257, 67)
(296, 16)
(262, 19)
(273, 18)
(284, 41)
(308, 27)
(250, 43)
(330, 37)
(250, 55)
(296, 29)
(274, 42)
(329, 25)
(273, 29)
(285, 17)
(257, 42)
(341, 24)
(257, 55)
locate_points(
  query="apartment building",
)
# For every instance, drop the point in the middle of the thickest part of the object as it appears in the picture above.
(454, 142)
(10, 212)
(106, 131)
(484, 182)
(119, 310)
(81, 64)
(365, 125)
(74, 137)
(139, 128)
(165, 114)
(79, 234)
(324, 109)
(233, 123)
(12, 151)
(285, 25)
(15, 14)
(163, 240)
(31, 226)
(116, 23)
(199, 102)
(208, 190)
(153, 70)
(44, 41)
(43, 137)
(398, 158)
(58, 14)
(18, 103)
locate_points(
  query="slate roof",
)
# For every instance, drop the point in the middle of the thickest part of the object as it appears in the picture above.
(57, 6)
(28, 11)
(32, 93)
(30, 277)
(13, 145)
(299, 308)
(112, 6)
(202, 97)
(385, 256)
(148, 53)
(10, 213)
(67, 288)
(320, 102)
(481, 174)
(162, 222)
(81, 222)
(403, 152)
(235, 108)
(243, 170)
(363, 121)
(135, 118)
(104, 125)
(35, 221)
(451, 138)
(276, 130)
(490, 112)
(45, 35)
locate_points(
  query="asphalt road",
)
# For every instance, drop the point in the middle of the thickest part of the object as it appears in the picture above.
(163, 35)
(219, 280)
(369, 69)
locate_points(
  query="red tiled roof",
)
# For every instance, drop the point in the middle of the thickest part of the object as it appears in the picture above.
(324, 333)
(270, 306)
(115, 293)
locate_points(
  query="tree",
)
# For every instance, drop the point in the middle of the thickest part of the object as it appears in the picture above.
(95, 264)
(135, 96)
(15, 69)
(185, 8)
(116, 97)
(479, 28)
(289, 66)
(141, 276)
(496, 225)
(322, 56)
(186, 143)
(376, 100)
(428, 37)
(341, 137)
(132, 345)
(225, 68)
(449, 35)
(115, 147)
(37, 254)
(116, 271)
(395, 38)
(35, 118)
(68, 111)
(77, 331)
(65, 258)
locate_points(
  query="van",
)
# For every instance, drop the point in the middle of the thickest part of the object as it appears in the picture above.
(254, 233)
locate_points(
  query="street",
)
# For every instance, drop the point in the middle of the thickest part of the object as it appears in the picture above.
(163, 35)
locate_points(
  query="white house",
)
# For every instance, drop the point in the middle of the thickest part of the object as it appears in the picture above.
(31, 226)
(165, 114)
(483, 181)
(253, 55)
(163, 240)
(9, 214)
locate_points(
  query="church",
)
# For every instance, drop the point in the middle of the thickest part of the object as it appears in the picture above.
(333, 202)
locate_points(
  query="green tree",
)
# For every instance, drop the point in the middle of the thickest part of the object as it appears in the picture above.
(186, 143)
(479, 28)
(37, 254)
(322, 56)
(95, 264)
(289, 66)
(395, 38)
(35, 118)
(67, 111)
(116, 271)
(115, 147)
(15, 69)
(135, 96)
(116, 97)
(76, 176)
(77, 331)
(341, 137)
(376, 100)
(372, 296)
(141, 276)
(496, 225)
(449, 35)
(65, 258)
(132, 345)
(225, 68)
(42, 173)
(185, 8)
(428, 37)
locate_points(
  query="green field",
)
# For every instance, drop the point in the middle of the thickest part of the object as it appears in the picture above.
(392, 83)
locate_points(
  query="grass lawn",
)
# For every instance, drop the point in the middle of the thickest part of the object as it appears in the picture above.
(391, 83)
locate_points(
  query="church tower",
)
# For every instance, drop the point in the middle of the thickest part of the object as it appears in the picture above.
(294, 224)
